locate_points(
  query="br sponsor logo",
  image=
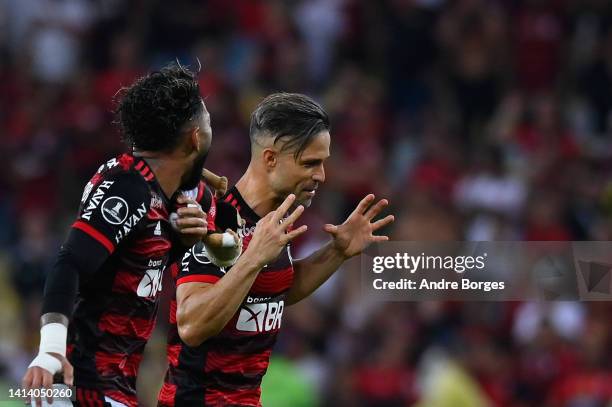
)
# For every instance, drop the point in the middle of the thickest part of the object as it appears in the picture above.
(115, 210)
(151, 283)
(96, 198)
(260, 317)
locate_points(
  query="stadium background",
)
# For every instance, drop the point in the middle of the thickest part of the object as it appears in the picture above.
(482, 120)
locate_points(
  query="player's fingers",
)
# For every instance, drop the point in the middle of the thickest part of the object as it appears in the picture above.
(209, 176)
(364, 204)
(182, 199)
(219, 192)
(182, 223)
(47, 383)
(194, 231)
(295, 233)
(221, 188)
(280, 212)
(294, 216)
(26, 383)
(376, 238)
(68, 372)
(191, 201)
(376, 208)
(331, 229)
(36, 382)
(188, 202)
(382, 222)
(191, 211)
(215, 181)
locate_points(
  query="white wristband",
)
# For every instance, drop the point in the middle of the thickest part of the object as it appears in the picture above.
(228, 240)
(227, 263)
(47, 362)
(53, 338)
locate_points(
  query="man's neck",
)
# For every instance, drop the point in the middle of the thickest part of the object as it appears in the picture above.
(165, 170)
(256, 193)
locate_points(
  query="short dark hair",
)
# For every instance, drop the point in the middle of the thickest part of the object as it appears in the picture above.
(153, 111)
(293, 116)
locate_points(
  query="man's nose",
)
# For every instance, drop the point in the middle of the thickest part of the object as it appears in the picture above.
(319, 174)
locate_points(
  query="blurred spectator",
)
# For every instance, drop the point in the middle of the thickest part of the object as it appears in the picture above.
(285, 386)
(538, 33)
(446, 383)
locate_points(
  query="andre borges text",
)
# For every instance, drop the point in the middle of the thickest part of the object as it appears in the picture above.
(404, 262)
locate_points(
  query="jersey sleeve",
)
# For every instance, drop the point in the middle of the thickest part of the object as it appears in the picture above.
(208, 202)
(196, 266)
(111, 207)
(226, 216)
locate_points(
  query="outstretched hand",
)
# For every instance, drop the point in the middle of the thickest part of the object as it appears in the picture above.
(357, 232)
(273, 233)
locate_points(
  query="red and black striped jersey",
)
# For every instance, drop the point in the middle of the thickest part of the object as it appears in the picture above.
(124, 209)
(227, 369)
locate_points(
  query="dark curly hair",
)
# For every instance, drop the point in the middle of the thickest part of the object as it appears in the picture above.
(294, 117)
(153, 111)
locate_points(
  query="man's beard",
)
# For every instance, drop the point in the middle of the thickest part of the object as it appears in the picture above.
(194, 176)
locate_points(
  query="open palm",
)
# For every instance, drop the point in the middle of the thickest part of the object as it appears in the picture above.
(357, 232)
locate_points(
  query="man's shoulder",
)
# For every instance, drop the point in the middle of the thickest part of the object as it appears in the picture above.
(118, 177)
(126, 170)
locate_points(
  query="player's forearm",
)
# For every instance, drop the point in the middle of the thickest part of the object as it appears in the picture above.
(204, 310)
(58, 301)
(61, 287)
(312, 271)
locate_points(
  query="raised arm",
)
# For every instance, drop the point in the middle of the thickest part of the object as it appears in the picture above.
(347, 240)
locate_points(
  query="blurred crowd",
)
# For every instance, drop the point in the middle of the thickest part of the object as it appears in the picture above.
(478, 119)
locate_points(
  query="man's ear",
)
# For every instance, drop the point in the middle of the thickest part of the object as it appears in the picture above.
(270, 158)
(194, 139)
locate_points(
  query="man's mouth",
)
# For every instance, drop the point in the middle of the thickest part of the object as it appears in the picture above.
(310, 191)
